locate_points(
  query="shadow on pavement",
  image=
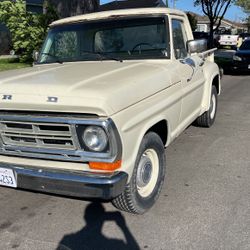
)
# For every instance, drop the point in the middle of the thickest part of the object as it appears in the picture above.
(91, 237)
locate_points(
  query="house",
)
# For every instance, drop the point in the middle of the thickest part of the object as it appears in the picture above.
(67, 8)
(130, 4)
(35, 6)
(203, 24)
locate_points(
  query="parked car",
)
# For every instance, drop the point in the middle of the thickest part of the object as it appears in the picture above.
(228, 40)
(241, 59)
(205, 35)
(242, 37)
(200, 35)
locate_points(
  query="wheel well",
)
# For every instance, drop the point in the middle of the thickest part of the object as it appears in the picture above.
(160, 128)
(216, 83)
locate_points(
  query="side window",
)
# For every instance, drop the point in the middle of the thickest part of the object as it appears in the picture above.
(179, 39)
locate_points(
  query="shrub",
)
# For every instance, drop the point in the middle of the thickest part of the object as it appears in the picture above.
(27, 29)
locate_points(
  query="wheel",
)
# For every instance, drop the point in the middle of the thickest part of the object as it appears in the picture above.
(207, 119)
(147, 179)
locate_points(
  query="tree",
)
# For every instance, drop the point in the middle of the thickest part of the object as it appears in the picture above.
(248, 23)
(215, 11)
(244, 4)
(193, 21)
(27, 30)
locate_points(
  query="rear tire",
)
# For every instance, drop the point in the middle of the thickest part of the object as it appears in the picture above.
(147, 179)
(207, 119)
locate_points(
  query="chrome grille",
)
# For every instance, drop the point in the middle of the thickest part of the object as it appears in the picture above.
(38, 135)
(53, 136)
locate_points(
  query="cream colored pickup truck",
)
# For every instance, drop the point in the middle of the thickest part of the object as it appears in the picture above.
(108, 93)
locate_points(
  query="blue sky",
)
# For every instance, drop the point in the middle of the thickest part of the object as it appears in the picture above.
(234, 13)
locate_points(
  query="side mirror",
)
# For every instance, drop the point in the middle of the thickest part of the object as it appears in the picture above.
(197, 46)
(35, 56)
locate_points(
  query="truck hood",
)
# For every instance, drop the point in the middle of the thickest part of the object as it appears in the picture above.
(101, 88)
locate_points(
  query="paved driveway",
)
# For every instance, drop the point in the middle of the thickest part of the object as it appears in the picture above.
(205, 202)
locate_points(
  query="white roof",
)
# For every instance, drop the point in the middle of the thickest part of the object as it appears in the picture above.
(117, 13)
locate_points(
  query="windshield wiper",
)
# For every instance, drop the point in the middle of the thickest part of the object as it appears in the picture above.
(103, 55)
(56, 57)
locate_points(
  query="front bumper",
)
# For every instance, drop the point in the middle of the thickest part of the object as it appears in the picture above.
(241, 66)
(76, 184)
(225, 43)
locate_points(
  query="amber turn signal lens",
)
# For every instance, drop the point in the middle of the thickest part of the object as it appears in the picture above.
(105, 166)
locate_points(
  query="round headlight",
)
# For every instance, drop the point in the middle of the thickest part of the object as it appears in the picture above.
(95, 138)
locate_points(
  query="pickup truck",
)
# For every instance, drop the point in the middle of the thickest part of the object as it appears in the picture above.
(228, 40)
(108, 93)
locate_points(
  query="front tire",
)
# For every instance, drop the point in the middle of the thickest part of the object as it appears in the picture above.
(147, 179)
(207, 119)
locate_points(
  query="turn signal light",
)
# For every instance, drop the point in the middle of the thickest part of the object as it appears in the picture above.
(105, 166)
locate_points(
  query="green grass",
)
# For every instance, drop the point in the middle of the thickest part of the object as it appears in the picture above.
(8, 64)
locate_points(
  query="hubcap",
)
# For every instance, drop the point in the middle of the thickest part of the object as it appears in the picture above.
(147, 172)
(212, 107)
(144, 171)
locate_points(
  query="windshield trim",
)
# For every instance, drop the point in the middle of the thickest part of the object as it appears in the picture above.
(104, 61)
(114, 55)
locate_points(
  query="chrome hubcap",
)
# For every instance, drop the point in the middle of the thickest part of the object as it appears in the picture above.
(213, 107)
(144, 171)
(147, 173)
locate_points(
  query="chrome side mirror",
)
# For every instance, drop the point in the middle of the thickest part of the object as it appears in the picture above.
(35, 56)
(197, 46)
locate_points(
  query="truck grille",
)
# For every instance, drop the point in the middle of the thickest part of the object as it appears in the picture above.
(52, 136)
(39, 135)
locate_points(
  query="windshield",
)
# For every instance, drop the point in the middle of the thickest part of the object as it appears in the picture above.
(126, 39)
(245, 45)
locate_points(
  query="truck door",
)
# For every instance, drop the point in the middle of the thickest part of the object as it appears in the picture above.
(190, 70)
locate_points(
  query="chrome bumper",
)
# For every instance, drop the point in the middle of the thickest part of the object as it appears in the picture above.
(76, 184)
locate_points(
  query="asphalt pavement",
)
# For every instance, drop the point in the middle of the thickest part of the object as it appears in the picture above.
(205, 202)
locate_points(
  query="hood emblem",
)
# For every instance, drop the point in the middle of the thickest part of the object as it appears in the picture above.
(6, 97)
(52, 99)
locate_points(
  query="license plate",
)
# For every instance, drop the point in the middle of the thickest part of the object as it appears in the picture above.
(7, 178)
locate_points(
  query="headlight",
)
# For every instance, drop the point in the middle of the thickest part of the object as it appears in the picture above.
(95, 138)
(237, 58)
